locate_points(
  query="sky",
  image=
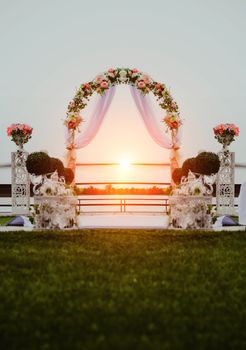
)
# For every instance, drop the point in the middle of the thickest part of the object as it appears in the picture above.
(48, 48)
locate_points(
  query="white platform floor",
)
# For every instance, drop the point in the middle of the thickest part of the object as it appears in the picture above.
(123, 220)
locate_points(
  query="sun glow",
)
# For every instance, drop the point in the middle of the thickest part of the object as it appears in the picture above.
(125, 164)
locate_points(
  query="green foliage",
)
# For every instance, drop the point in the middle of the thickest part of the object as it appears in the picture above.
(122, 289)
(189, 164)
(5, 219)
(207, 163)
(56, 165)
(38, 163)
(177, 175)
(69, 175)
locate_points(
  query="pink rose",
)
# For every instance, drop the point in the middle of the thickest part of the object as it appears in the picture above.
(70, 124)
(232, 127)
(111, 73)
(141, 84)
(27, 129)
(236, 131)
(175, 124)
(9, 131)
(71, 104)
(134, 70)
(99, 79)
(219, 129)
(104, 84)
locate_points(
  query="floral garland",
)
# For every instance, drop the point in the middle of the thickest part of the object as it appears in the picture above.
(143, 82)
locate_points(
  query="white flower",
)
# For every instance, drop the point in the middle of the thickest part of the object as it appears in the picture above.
(197, 188)
(123, 75)
(47, 189)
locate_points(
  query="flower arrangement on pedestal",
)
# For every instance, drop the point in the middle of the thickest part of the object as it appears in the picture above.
(54, 204)
(191, 203)
(205, 163)
(191, 199)
(225, 133)
(19, 133)
(195, 186)
(54, 199)
(225, 186)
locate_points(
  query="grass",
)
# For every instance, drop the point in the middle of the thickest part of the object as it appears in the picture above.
(122, 289)
(4, 220)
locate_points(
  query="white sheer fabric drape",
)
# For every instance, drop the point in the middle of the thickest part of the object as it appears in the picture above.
(242, 205)
(143, 104)
(94, 121)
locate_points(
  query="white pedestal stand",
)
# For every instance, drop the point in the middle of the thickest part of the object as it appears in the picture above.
(20, 183)
(225, 183)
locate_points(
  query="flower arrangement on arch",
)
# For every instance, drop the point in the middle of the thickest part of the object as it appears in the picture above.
(172, 121)
(73, 121)
(115, 76)
(20, 133)
(225, 133)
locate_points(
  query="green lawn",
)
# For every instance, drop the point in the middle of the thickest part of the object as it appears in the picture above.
(123, 289)
(4, 220)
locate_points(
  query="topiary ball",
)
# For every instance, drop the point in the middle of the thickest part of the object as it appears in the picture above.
(177, 175)
(189, 164)
(207, 163)
(56, 165)
(69, 175)
(38, 163)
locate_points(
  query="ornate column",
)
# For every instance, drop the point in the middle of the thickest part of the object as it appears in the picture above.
(225, 183)
(20, 183)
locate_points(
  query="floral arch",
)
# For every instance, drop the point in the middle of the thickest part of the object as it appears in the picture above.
(141, 85)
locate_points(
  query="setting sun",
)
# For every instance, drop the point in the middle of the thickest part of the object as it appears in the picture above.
(125, 164)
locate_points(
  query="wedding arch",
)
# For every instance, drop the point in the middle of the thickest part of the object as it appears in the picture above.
(141, 85)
